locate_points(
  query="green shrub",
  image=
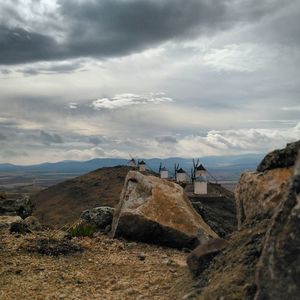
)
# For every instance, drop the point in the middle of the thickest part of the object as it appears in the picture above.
(82, 230)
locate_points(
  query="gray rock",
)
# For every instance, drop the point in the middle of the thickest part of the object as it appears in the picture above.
(278, 270)
(100, 217)
(282, 158)
(33, 223)
(157, 211)
(22, 207)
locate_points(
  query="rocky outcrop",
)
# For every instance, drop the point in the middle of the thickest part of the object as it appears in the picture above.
(99, 217)
(258, 194)
(278, 272)
(283, 158)
(199, 259)
(16, 207)
(262, 258)
(157, 211)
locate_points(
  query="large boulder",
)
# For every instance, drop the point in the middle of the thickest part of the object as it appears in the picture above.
(99, 217)
(157, 211)
(22, 207)
(278, 271)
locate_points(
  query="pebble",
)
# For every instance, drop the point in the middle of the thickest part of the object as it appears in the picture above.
(142, 256)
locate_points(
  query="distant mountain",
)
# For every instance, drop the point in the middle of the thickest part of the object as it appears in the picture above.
(217, 164)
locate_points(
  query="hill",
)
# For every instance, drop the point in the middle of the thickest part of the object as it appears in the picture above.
(64, 202)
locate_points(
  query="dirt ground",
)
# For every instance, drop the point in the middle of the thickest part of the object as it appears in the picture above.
(106, 269)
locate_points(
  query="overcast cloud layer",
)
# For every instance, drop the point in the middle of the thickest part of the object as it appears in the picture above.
(154, 78)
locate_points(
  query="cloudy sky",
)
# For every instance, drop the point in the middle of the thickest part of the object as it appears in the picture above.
(155, 78)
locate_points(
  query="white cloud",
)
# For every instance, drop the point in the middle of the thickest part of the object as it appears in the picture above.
(244, 57)
(73, 105)
(291, 108)
(127, 99)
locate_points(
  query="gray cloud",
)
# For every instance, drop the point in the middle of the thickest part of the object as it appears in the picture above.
(50, 138)
(54, 68)
(116, 28)
(166, 139)
(19, 45)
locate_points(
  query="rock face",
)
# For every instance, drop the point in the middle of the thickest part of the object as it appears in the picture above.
(258, 194)
(278, 272)
(16, 207)
(283, 158)
(157, 211)
(99, 217)
(262, 258)
(199, 259)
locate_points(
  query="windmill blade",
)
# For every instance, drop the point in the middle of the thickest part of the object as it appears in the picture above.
(197, 164)
(160, 167)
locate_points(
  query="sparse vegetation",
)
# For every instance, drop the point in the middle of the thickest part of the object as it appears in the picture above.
(82, 229)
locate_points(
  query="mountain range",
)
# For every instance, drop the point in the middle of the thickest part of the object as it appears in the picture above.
(215, 164)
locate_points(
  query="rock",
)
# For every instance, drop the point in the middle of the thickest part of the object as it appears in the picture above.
(278, 270)
(142, 256)
(157, 211)
(258, 194)
(19, 227)
(16, 207)
(5, 221)
(283, 158)
(2, 195)
(33, 223)
(100, 217)
(199, 259)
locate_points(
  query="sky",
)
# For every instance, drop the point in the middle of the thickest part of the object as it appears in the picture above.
(81, 79)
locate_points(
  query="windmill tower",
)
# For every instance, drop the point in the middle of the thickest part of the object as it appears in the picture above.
(163, 172)
(199, 177)
(200, 186)
(181, 175)
(142, 166)
(132, 162)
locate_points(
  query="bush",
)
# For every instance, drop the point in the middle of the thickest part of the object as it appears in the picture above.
(82, 229)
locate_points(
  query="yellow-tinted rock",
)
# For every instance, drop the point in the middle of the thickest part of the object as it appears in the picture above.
(156, 210)
(259, 193)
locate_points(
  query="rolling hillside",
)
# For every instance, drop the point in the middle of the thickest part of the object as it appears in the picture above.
(64, 202)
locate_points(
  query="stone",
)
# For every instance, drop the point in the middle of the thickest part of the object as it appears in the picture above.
(142, 256)
(157, 211)
(283, 158)
(22, 207)
(278, 270)
(258, 193)
(199, 259)
(5, 221)
(19, 227)
(100, 217)
(33, 223)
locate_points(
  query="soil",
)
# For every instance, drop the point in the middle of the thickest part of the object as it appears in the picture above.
(106, 269)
